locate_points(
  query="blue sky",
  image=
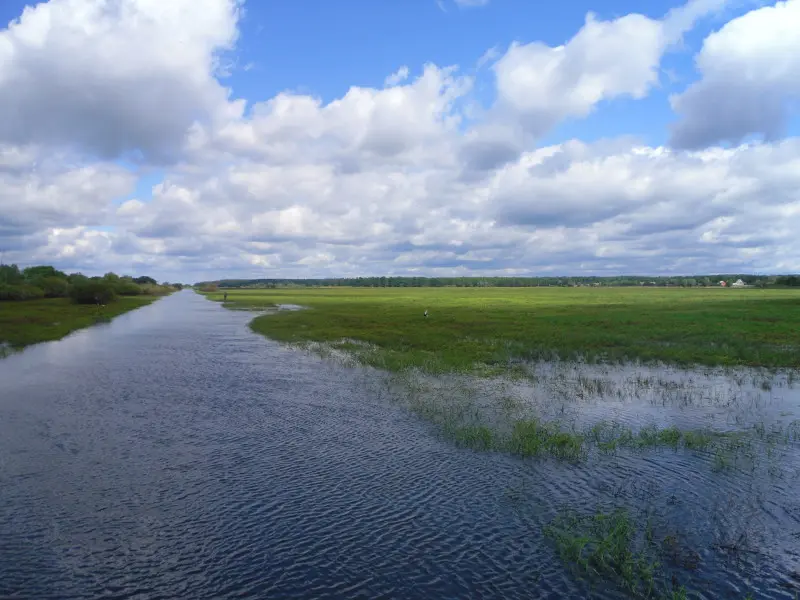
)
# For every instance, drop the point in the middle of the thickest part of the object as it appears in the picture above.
(592, 147)
(358, 45)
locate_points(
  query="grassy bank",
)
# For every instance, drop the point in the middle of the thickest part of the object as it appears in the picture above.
(32, 321)
(492, 327)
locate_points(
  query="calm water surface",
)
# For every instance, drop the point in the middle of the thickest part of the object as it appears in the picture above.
(174, 454)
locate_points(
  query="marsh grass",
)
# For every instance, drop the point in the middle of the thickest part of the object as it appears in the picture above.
(488, 415)
(33, 321)
(608, 546)
(534, 438)
(490, 329)
(477, 437)
(615, 547)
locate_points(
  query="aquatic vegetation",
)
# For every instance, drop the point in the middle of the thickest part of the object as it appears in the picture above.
(610, 436)
(697, 440)
(609, 546)
(477, 437)
(721, 461)
(533, 438)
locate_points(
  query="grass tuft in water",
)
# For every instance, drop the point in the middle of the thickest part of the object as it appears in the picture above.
(477, 437)
(697, 440)
(609, 437)
(606, 545)
(534, 438)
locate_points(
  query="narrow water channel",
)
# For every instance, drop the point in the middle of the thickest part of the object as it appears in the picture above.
(174, 454)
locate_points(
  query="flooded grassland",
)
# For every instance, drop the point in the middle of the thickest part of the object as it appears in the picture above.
(661, 461)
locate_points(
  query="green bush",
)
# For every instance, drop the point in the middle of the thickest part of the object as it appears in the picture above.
(53, 287)
(77, 278)
(92, 291)
(127, 288)
(10, 275)
(22, 291)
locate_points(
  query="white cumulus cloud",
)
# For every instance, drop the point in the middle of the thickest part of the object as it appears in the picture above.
(110, 77)
(750, 80)
(408, 177)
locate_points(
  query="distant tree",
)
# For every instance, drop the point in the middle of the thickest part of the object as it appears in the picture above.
(32, 273)
(145, 280)
(11, 275)
(788, 280)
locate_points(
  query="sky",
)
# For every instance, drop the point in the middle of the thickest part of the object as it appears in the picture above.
(196, 140)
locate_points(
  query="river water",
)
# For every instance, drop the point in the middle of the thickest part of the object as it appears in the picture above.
(172, 453)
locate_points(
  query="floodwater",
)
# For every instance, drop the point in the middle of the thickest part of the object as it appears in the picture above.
(174, 454)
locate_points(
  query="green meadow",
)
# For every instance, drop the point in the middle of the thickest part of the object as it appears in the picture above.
(46, 319)
(487, 330)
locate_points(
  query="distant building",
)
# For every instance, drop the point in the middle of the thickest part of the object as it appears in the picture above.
(739, 284)
(723, 284)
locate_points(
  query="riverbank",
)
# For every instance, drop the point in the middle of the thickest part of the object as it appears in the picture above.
(489, 329)
(29, 322)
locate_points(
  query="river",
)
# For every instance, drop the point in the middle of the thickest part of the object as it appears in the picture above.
(172, 453)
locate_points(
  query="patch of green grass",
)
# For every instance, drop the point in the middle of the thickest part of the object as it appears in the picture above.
(534, 438)
(611, 436)
(32, 321)
(491, 329)
(606, 545)
(721, 461)
(477, 437)
(613, 548)
(697, 439)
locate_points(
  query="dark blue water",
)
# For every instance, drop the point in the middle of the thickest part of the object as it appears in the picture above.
(174, 454)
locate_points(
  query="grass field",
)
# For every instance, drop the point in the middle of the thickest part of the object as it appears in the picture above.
(474, 329)
(32, 321)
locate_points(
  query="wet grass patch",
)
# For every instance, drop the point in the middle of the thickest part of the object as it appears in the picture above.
(477, 437)
(610, 547)
(491, 328)
(534, 438)
(33, 321)
(611, 436)
(615, 548)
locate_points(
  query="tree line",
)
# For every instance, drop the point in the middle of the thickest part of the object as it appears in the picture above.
(45, 281)
(618, 281)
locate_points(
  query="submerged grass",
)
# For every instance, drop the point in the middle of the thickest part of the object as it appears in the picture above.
(607, 545)
(534, 438)
(33, 321)
(611, 546)
(614, 547)
(610, 436)
(488, 329)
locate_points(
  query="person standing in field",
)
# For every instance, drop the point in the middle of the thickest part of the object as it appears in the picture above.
(225, 296)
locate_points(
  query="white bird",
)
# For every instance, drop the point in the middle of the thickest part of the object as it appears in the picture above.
(426, 312)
